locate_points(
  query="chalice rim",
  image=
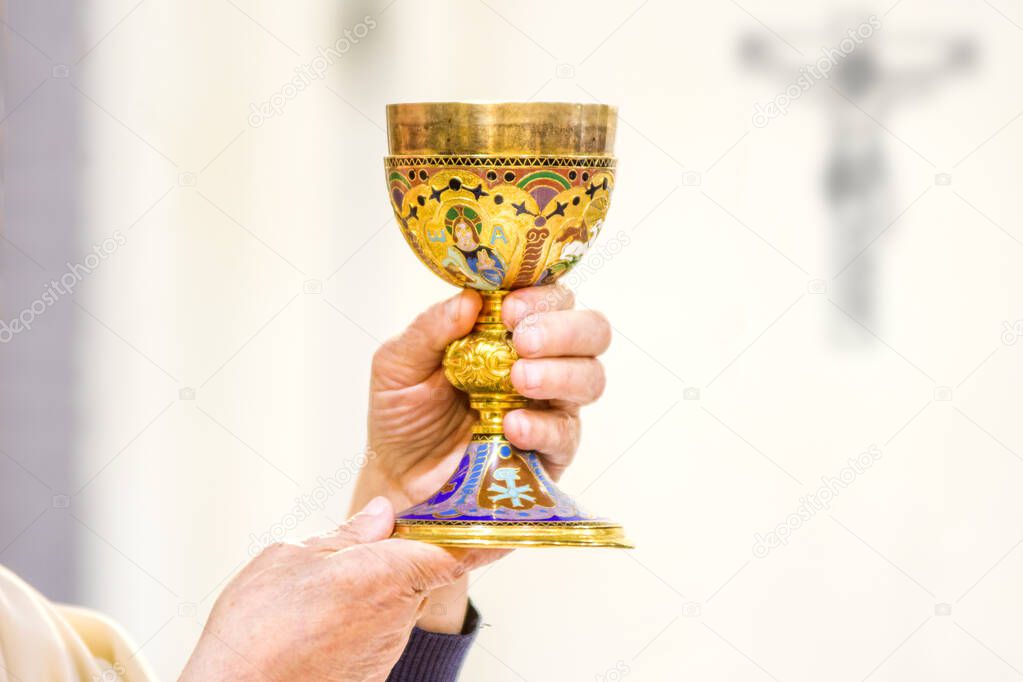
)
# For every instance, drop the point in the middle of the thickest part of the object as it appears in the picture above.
(558, 128)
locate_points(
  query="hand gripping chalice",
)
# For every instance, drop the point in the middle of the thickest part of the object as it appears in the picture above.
(496, 197)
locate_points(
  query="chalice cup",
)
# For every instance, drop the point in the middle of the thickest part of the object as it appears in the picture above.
(497, 197)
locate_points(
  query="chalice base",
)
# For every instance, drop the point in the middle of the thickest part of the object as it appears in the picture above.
(500, 496)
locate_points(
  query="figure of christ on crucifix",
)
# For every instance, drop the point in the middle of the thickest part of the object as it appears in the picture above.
(858, 87)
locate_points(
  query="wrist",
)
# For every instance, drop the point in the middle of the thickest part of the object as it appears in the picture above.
(446, 608)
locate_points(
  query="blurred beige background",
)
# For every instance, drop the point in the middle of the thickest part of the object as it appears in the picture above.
(212, 367)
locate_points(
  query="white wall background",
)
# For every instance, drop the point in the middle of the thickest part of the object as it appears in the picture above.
(229, 226)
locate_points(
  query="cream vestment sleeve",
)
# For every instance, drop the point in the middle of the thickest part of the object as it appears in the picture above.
(44, 642)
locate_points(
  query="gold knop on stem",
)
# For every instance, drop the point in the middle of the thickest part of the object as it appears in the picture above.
(480, 364)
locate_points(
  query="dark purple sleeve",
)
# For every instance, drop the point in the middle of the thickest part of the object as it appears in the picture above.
(436, 657)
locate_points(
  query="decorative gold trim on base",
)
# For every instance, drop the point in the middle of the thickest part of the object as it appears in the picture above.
(512, 535)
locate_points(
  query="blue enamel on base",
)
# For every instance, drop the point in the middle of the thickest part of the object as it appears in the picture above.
(510, 496)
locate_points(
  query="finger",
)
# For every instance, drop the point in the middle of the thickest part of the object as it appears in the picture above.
(577, 380)
(554, 432)
(523, 302)
(562, 333)
(478, 558)
(416, 353)
(373, 523)
(424, 567)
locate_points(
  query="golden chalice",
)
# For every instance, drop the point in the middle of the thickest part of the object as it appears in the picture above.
(497, 197)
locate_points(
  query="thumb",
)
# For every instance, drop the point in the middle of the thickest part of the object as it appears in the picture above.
(416, 353)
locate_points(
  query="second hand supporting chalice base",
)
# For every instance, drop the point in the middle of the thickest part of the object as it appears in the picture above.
(497, 197)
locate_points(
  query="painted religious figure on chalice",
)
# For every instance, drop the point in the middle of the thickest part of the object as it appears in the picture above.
(481, 266)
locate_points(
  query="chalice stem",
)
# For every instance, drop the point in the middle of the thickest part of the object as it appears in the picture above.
(492, 405)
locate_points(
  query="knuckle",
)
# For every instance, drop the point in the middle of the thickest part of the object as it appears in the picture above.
(421, 576)
(543, 432)
(378, 360)
(599, 381)
(382, 356)
(275, 549)
(278, 551)
(602, 329)
(345, 536)
(565, 297)
(568, 433)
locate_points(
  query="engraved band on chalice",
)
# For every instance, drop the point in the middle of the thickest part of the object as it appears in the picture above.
(497, 197)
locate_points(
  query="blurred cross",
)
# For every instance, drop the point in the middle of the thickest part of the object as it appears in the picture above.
(859, 90)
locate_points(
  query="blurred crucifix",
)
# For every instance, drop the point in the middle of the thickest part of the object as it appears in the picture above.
(858, 89)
